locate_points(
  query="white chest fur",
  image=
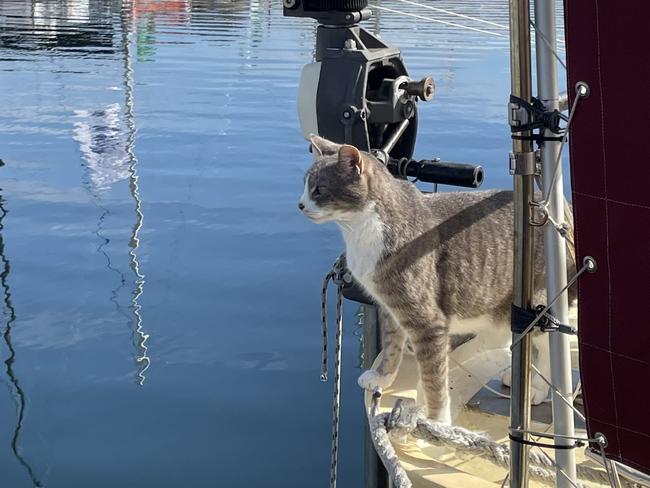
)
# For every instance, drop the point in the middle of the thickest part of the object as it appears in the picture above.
(364, 243)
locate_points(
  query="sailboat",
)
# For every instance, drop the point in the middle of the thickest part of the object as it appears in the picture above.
(596, 431)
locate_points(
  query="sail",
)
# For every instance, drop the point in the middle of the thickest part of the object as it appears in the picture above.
(607, 47)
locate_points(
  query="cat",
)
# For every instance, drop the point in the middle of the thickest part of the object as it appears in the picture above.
(436, 264)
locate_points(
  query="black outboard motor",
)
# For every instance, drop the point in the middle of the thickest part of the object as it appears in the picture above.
(358, 91)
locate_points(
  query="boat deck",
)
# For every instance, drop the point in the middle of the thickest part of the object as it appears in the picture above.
(473, 407)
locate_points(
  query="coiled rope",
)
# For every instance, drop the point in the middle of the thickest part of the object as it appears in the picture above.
(406, 418)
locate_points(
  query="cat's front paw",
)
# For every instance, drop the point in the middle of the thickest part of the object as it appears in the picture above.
(443, 417)
(372, 379)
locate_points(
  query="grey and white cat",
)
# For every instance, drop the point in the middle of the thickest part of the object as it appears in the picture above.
(437, 264)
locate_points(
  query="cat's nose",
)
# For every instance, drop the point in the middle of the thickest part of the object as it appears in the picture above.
(301, 206)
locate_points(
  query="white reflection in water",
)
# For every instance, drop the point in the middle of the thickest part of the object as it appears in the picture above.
(106, 139)
(102, 145)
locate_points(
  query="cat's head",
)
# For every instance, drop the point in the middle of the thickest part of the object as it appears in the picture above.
(336, 185)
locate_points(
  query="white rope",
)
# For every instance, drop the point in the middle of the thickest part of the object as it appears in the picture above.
(406, 418)
(438, 21)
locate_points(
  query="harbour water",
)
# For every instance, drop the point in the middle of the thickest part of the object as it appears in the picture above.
(160, 291)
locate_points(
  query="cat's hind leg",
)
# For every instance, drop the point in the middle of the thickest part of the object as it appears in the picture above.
(392, 338)
(430, 341)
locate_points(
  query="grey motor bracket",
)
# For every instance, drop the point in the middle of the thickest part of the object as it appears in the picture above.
(364, 91)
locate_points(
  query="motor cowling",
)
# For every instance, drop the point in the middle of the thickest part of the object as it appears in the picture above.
(358, 91)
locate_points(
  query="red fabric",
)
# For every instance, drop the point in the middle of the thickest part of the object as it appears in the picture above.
(608, 47)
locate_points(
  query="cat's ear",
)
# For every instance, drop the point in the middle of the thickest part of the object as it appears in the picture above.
(350, 155)
(322, 147)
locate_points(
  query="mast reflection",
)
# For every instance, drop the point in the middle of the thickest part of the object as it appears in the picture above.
(10, 313)
(106, 139)
(140, 335)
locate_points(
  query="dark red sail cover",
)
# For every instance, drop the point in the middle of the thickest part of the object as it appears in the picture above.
(608, 46)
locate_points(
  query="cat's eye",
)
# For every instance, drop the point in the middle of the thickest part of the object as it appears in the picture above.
(316, 191)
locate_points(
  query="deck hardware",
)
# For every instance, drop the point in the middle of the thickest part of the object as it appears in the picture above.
(590, 264)
(523, 163)
(610, 466)
(550, 323)
(529, 117)
(582, 89)
(424, 89)
(540, 209)
(521, 318)
(518, 312)
(434, 170)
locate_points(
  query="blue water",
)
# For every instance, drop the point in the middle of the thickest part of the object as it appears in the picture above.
(161, 291)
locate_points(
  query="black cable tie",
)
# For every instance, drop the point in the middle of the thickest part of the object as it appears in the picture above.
(538, 138)
(538, 116)
(521, 319)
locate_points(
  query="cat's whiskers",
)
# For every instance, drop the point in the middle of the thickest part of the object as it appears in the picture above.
(344, 224)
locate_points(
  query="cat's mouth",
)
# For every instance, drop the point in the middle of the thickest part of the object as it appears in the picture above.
(316, 217)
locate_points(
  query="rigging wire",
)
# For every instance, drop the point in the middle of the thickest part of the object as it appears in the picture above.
(466, 27)
(557, 392)
(585, 267)
(431, 19)
(449, 12)
(548, 44)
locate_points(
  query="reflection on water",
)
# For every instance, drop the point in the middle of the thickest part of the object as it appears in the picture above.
(106, 140)
(134, 243)
(9, 317)
(100, 137)
(184, 111)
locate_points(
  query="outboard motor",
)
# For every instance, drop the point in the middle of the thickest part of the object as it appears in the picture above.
(358, 91)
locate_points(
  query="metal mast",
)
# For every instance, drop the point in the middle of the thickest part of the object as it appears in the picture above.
(554, 245)
(523, 170)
